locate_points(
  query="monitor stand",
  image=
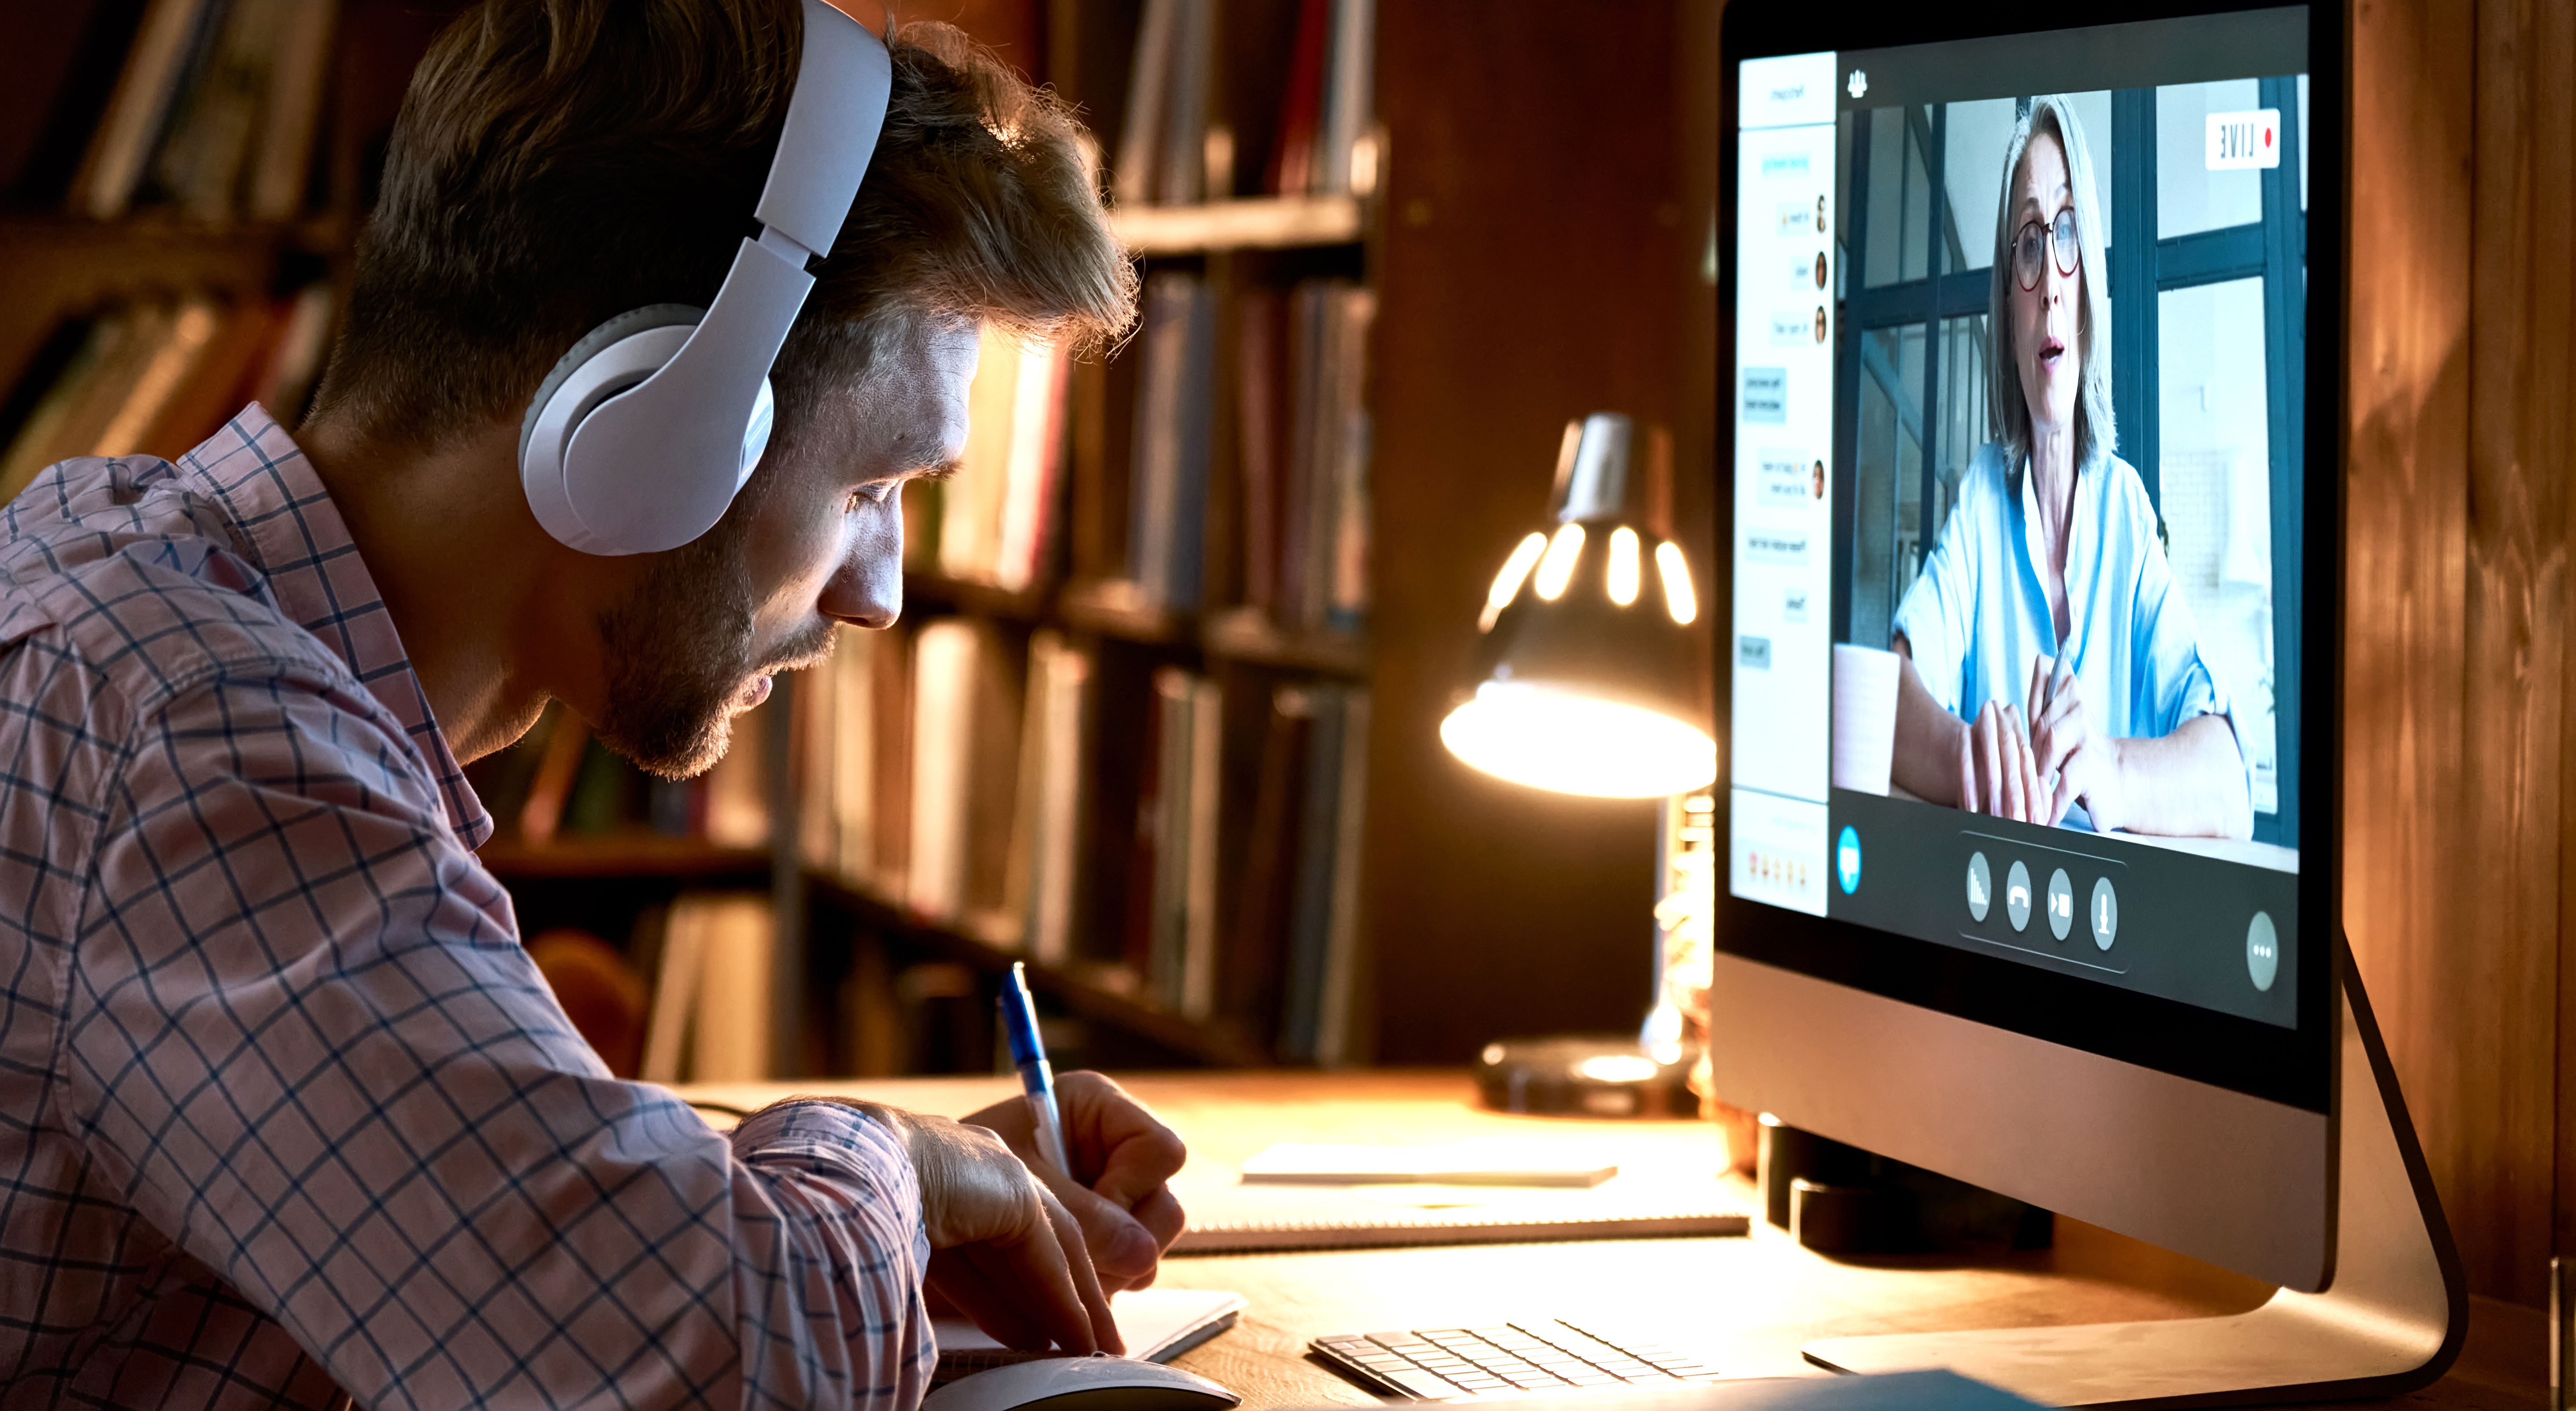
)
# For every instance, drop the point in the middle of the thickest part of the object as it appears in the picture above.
(2391, 1320)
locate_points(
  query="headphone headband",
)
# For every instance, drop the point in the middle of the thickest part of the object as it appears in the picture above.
(652, 462)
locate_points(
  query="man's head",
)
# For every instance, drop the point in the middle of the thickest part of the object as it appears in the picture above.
(558, 162)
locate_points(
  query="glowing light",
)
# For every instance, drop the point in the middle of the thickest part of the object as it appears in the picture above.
(1550, 738)
(1678, 597)
(1623, 565)
(1558, 566)
(1507, 583)
(1618, 1068)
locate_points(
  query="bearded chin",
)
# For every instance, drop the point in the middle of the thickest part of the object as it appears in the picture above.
(678, 650)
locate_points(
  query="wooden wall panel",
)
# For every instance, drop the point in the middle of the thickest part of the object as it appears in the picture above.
(2458, 599)
(2515, 631)
(1536, 266)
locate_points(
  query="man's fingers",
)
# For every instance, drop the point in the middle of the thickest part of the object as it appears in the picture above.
(2036, 699)
(1122, 1249)
(959, 1279)
(1086, 1281)
(1161, 1215)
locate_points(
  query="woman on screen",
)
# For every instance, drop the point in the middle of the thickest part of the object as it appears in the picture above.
(2048, 659)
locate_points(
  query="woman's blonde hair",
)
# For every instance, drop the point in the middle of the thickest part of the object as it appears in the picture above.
(2007, 413)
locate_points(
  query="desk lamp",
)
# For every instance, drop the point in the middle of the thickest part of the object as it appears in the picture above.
(1586, 682)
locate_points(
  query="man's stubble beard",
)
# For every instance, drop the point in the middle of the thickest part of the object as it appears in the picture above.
(679, 649)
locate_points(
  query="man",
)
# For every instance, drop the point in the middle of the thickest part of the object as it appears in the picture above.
(284, 1109)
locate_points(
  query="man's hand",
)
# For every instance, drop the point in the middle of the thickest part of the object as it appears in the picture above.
(1004, 1251)
(1122, 1157)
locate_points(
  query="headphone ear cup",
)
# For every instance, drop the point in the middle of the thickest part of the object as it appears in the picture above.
(612, 358)
(616, 330)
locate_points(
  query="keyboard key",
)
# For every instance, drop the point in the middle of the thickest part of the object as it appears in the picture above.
(1421, 1384)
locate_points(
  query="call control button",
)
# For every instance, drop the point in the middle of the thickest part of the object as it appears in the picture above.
(2105, 915)
(2017, 897)
(2061, 904)
(1981, 886)
(2262, 951)
(1847, 859)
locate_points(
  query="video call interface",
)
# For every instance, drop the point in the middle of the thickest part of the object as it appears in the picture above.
(2019, 404)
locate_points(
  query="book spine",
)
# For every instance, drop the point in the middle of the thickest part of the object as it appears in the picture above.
(1148, 90)
(1311, 914)
(943, 686)
(1196, 416)
(1199, 886)
(1167, 946)
(1340, 984)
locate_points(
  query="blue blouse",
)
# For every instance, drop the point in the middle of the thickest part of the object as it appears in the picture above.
(1976, 617)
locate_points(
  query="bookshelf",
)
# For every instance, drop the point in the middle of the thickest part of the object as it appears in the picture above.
(1471, 320)
(1249, 223)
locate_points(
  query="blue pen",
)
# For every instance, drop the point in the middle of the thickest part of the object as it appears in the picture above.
(1020, 1021)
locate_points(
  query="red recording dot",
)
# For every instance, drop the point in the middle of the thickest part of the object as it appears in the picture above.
(2267, 137)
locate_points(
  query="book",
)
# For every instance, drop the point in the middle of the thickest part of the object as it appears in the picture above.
(1059, 687)
(283, 151)
(1490, 1162)
(944, 659)
(165, 44)
(996, 516)
(1182, 166)
(713, 1000)
(850, 712)
(1175, 413)
(1310, 904)
(1252, 982)
(1141, 133)
(63, 62)
(737, 789)
(1157, 1324)
(1348, 109)
(1335, 1007)
(1260, 366)
(1292, 161)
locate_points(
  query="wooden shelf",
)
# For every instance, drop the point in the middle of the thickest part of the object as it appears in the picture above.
(981, 599)
(1257, 223)
(622, 855)
(1087, 991)
(1117, 608)
(1245, 634)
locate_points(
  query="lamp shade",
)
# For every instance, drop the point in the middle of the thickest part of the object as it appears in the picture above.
(1585, 675)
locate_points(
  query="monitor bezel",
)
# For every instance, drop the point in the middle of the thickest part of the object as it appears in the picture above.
(2292, 1066)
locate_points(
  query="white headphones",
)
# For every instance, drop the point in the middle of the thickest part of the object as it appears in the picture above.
(644, 432)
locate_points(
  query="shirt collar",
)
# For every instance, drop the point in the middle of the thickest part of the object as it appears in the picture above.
(294, 532)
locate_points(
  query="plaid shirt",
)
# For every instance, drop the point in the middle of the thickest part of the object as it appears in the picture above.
(283, 1105)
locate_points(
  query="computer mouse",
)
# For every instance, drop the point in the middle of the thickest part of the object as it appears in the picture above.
(1081, 1384)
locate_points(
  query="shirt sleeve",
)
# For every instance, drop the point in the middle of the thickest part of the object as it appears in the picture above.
(1937, 613)
(2175, 684)
(301, 1036)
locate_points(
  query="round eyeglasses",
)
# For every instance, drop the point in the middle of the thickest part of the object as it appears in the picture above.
(2027, 243)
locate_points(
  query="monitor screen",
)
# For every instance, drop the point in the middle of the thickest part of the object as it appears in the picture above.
(2019, 672)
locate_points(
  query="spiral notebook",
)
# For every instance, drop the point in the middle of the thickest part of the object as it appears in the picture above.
(1157, 1324)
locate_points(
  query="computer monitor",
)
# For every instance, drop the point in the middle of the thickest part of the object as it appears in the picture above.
(2029, 641)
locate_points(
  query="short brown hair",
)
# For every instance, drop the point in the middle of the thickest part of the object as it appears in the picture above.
(558, 162)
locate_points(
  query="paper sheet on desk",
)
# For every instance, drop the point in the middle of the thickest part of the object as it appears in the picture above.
(1228, 1215)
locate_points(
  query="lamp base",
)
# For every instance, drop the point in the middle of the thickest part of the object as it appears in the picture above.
(1591, 1075)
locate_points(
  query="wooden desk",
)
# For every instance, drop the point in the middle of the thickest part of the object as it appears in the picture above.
(1752, 1301)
